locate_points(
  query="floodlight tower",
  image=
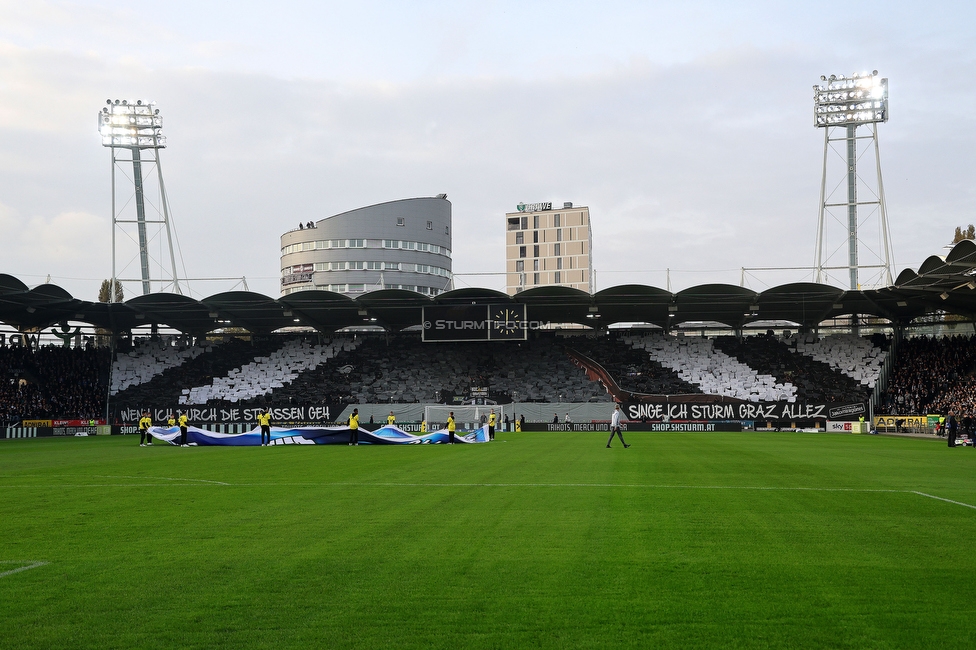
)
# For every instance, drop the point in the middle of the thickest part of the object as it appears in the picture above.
(136, 127)
(842, 105)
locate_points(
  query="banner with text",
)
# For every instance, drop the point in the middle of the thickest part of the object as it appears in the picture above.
(665, 411)
(312, 414)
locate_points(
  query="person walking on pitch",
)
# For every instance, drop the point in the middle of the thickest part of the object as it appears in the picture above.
(491, 425)
(183, 420)
(354, 428)
(145, 440)
(615, 427)
(264, 419)
(450, 428)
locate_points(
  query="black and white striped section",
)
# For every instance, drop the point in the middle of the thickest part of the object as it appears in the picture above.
(21, 432)
(292, 440)
(228, 428)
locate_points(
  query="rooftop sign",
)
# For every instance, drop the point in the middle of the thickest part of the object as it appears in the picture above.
(534, 207)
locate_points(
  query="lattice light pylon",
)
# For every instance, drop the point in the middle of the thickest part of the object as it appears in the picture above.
(135, 127)
(848, 109)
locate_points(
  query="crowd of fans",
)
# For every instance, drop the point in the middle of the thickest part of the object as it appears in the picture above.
(633, 371)
(932, 375)
(52, 382)
(815, 381)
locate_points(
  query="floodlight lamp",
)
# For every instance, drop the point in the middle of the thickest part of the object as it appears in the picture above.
(944, 295)
(131, 125)
(851, 101)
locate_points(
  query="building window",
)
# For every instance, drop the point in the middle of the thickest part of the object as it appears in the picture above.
(558, 277)
(555, 220)
(409, 245)
(391, 243)
(338, 266)
(430, 225)
(356, 266)
(519, 266)
(521, 251)
(556, 250)
(535, 251)
(535, 237)
(525, 223)
(559, 263)
(535, 221)
(559, 234)
(401, 222)
(519, 238)
(357, 243)
(535, 265)
(374, 266)
(391, 266)
(447, 230)
(535, 278)
(357, 288)
(308, 245)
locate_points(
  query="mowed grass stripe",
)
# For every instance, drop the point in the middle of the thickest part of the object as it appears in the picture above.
(354, 557)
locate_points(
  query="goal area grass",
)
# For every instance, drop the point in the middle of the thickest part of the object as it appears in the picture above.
(536, 540)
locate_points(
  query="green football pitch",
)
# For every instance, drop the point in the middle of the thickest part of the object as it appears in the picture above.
(746, 540)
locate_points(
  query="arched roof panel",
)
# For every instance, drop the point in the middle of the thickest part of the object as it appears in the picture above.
(179, 312)
(395, 309)
(556, 305)
(963, 253)
(254, 312)
(326, 311)
(469, 295)
(633, 303)
(723, 303)
(803, 303)
(10, 284)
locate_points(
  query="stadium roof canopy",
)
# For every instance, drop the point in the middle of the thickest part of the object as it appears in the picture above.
(947, 284)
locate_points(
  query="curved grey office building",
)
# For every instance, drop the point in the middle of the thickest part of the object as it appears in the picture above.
(403, 244)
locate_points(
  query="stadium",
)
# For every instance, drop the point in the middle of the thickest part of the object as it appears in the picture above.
(378, 457)
(746, 476)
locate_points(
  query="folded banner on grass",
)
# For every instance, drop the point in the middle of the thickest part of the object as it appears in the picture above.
(339, 435)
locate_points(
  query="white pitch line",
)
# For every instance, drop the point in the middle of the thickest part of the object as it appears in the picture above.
(89, 485)
(163, 478)
(578, 485)
(758, 488)
(932, 496)
(29, 565)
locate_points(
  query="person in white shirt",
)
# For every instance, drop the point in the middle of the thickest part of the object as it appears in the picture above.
(615, 427)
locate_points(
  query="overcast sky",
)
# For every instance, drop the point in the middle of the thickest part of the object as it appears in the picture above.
(686, 127)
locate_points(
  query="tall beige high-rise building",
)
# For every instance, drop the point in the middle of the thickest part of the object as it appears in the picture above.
(545, 247)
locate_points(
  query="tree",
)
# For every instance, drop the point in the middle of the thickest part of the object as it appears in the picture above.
(968, 233)
(104, 292)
